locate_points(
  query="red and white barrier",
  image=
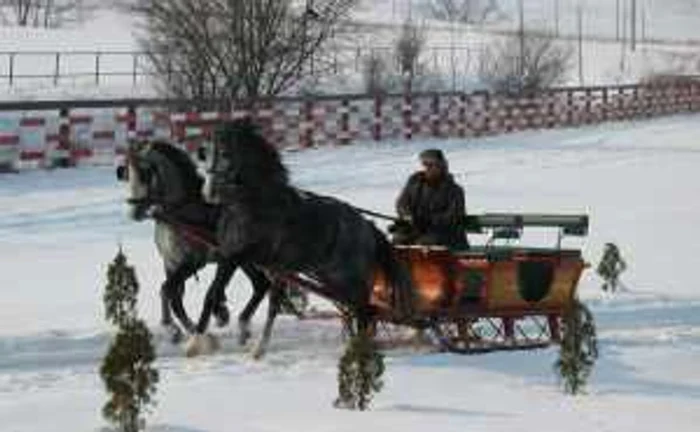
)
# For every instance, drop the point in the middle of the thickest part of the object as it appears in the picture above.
(9, 151)
(9, 144)
(94, 137)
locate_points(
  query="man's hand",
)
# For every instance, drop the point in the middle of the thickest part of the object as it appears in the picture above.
(401, 225)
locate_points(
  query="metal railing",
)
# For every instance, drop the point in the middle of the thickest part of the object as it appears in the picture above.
(55, 65)
(96, 66)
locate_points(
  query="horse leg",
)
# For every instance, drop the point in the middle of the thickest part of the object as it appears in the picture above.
(220, 309)
(166, 316)
(275, 299)
(224, 272)
(173, 289)
(261, 284)
(174, 332)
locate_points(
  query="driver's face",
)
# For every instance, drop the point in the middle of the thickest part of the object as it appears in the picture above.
(432, 169)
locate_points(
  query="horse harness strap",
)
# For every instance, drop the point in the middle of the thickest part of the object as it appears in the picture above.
(192, 232)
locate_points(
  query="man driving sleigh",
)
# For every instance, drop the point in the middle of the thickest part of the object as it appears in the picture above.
(431, 206)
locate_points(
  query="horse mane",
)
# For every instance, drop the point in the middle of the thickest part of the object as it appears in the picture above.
(258, 161)
(192, 181)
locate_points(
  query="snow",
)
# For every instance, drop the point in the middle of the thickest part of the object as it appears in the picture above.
(637, 180)
(670, 24)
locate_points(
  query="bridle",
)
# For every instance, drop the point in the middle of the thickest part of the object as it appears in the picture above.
(149, 201)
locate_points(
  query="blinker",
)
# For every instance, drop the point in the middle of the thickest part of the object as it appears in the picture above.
(122, 173)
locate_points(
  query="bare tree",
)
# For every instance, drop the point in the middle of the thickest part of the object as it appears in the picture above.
(465, 11)
(45, 13)
(409, 47)
(375, 72)
(524, 66)
(220, 51)
(16, 12)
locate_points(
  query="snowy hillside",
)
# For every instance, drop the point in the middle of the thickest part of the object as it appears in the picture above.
(637, 180)
(666, 23)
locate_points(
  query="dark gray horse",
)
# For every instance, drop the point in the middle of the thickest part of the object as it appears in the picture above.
(320, 241)
(164, 184)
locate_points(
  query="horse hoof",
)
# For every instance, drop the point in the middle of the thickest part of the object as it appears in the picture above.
(244, 333)
(258, 354)
(202, 344)
(222, 316)
(174, 333)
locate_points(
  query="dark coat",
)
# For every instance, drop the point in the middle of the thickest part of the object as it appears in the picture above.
(436, 211)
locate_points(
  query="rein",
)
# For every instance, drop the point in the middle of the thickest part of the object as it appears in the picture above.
(360, 210)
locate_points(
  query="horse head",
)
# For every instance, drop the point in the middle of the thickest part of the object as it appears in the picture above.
(158, 174)
(243, 157)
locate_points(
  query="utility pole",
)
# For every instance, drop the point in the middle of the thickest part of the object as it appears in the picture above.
(556, 18)
(521, 35)
(633, 24)
(643, 17)
(617, 20)
(623, 45)
(579, 18)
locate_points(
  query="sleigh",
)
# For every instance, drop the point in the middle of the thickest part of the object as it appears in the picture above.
(494, 297)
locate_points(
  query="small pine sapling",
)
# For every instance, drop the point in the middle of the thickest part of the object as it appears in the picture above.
(359, 373)
(611, 267)
(579, 348)
(127, 369)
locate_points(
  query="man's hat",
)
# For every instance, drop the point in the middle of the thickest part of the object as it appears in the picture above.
(432, 154)
(435, 155)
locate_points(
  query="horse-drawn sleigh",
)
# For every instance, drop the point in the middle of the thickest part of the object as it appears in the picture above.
(496, 296)
(483, 298)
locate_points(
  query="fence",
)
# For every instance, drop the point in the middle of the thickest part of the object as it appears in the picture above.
(133, 67)
(99, 130)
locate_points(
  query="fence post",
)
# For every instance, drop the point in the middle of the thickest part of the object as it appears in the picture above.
(589, 114)
(435, 120)
(648, 100)
(345, 122)
(131, 134)
(486, 115)
(569, 107)
(377, 130)
(57, 69)
(605, 104)
(691, 96)
(97, 68)
(135, 65)
(64, 135)
(307, 124)
(621, 103)
(551, 120)
(169, 71)
(407, 114)
(462, 116)
(12, 68)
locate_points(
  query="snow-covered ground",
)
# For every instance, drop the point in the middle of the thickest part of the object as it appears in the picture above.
(637, 180)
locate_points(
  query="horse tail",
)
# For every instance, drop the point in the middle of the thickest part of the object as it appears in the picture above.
(398, 278)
